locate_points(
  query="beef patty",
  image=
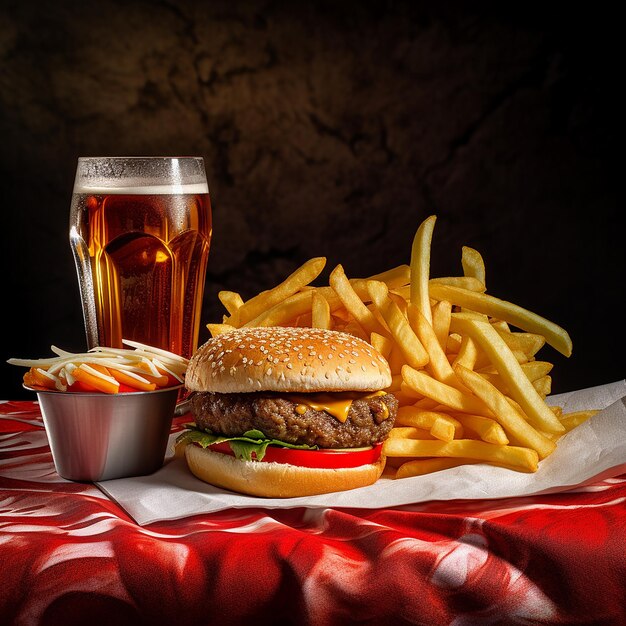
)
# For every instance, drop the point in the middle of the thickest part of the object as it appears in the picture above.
(275, 415)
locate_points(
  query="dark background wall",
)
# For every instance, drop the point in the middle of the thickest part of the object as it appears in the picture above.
(327, 129)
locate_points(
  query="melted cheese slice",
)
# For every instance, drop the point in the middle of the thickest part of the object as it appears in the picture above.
(336, 404)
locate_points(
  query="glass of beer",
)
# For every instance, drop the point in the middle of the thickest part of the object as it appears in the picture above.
(140, 232)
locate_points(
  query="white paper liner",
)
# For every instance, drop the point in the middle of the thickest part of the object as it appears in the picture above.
(594, 450)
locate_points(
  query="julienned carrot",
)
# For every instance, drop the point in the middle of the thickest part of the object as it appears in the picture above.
(34, 378)
(159, 381)
(98, 383)
(125, 379)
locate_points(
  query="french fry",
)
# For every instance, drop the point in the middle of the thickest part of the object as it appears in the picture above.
(427, 420)
(264, 301)
(288, 309)
(320, 312)
(438, 365)
(420, 267)
(521, 389)
(396, 383)
(231, 300)
(543, 385)
(453, 343)
(514, 457)
(426, 404)
(403, 399)
(403, 334)
(219, 329)
(410, 432)
(468, 353)
(506, 414)
(473, 264)
(534, 370)
(440, 425)
(420, 467)
(444, 394)
(441, 315)
(395, 277)
(382, 344)
(444, 430)
(353, 304)
(411, 416)
(396, 360)
(529, 343)
(557, 410)
(556, 336)
(571, 420)
(485, 428)
(465, 282)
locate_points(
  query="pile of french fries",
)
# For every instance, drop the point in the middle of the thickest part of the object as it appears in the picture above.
(464, 365)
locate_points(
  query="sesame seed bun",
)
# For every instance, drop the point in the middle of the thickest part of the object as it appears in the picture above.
(286, 360)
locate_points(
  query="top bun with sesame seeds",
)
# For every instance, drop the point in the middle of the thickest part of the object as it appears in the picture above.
(286, 360)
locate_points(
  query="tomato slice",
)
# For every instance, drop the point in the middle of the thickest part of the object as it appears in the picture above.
(324, 459)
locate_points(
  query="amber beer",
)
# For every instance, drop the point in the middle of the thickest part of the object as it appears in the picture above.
(141, 247)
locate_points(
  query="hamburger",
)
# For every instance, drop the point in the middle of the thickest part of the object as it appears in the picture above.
(285, 412)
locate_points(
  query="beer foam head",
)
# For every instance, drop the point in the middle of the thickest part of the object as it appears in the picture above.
(140, 175)
(141, 188)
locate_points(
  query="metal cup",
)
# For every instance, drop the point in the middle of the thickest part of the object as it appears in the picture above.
(97, 436)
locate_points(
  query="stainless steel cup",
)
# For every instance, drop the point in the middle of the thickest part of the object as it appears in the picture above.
(97, 436)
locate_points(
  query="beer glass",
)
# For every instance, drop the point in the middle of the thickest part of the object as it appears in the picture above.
(140, 232)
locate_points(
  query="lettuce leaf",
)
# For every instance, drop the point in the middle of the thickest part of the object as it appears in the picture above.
(252, 442)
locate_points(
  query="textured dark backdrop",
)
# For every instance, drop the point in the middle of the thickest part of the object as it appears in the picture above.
(327, 131)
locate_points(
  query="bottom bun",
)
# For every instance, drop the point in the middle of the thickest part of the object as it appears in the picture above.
(276, 480)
